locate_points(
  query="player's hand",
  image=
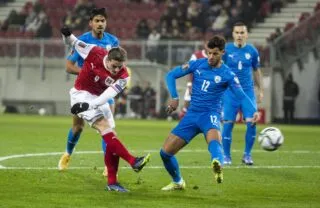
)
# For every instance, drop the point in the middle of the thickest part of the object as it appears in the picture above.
(172, 106)
(260, 97)
(79, 108)
(66, 31)
(256, 118)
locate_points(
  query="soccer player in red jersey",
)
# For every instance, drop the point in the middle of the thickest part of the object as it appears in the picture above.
(101, 78)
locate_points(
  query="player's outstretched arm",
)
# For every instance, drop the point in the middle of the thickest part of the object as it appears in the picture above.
(108, 94)
(81, 47)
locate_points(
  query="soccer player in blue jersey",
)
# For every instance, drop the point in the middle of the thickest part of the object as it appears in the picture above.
(243, 59)
(97, 36)
(211, 78)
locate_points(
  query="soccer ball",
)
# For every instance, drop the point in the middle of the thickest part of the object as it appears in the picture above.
(42, 111)
(270, 138)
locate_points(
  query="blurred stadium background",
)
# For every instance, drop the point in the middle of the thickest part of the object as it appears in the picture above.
(32, 66)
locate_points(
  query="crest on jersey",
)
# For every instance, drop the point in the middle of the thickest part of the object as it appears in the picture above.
(185, 66)
(217, 79)
(248, 56)
(108, 81)
(122, 83)
(108, 47)
(96, 78)
(236, 80)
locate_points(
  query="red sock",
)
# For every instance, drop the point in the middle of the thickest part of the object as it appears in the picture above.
(115, 146)
(112, 163)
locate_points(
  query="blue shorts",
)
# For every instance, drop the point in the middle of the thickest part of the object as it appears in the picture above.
(194, 123)
(232, 105)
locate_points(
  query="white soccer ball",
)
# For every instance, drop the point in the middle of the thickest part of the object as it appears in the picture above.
(42, 111)
(270, 138)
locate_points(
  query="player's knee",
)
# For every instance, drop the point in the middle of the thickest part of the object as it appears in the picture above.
(252, 128)
(228, 126)
(78, 128)
(164, 155)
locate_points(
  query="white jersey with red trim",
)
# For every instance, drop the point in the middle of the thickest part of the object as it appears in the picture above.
(198, 54)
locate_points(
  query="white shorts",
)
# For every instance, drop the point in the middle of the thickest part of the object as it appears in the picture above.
(187, 96)
(90, 116)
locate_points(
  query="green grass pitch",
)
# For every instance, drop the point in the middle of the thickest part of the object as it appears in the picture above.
(30, 147)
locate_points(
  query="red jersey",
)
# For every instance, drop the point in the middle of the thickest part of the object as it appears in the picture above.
(94, 77)
(198, 54)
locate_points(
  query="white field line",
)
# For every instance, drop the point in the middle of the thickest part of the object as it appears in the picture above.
(150, 151)
(181, 167)
(147, 151)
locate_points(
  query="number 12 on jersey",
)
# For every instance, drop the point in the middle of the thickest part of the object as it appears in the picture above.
(205, 85)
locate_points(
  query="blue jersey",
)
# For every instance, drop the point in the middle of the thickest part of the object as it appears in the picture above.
(209, 85)
(108, 41)
(242, 61)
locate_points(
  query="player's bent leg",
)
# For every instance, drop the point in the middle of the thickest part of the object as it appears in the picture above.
(171, 146)
(103, 143)
(73, 138)
(213, 138)
(227, 140)
(114, 146)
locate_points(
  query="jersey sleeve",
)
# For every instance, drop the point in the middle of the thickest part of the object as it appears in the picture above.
(83, 48)
(109, 93)
(234, 85)
(122, 82)
(176, 73)
(255, 59)
(74, 55)
(116, 43)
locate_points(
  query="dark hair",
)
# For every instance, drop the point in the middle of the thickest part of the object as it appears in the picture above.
(118, 54)
(239, 24)
(96, 11)
(216, 41)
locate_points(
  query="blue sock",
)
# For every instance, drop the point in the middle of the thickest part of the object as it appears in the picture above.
(227, 138)
(103, 146)
(250, 137)
(215, 149)
(171, 164)
(72, 141)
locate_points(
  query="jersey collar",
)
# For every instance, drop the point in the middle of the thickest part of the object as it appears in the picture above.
(234, 43)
